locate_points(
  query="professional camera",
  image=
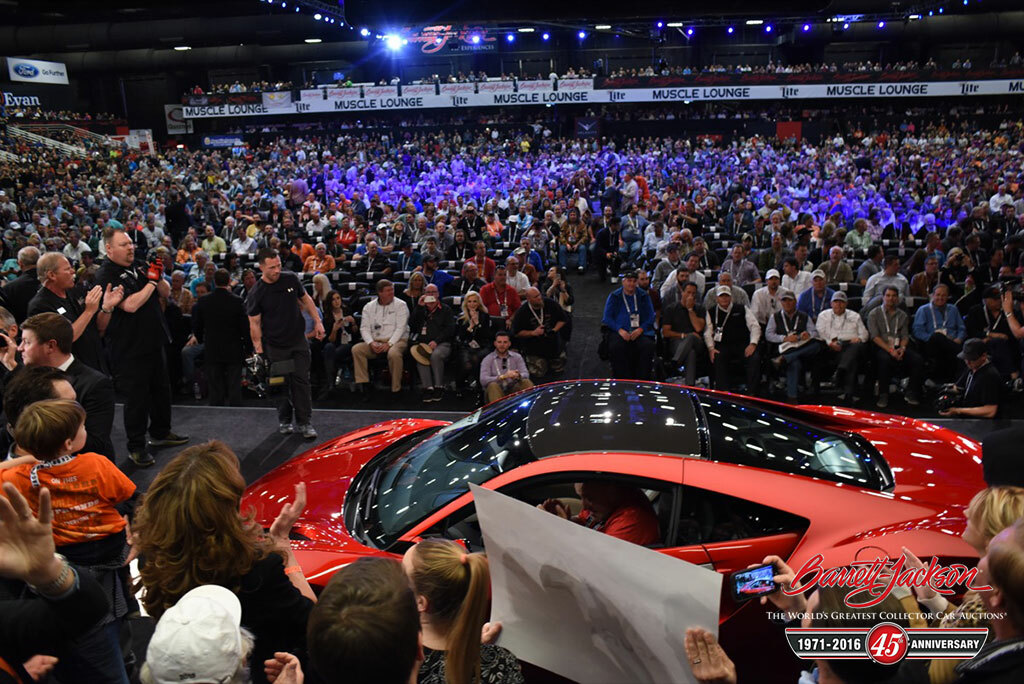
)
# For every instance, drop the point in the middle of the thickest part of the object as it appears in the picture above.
(1013, 285)
(256, 375)
(949, 396)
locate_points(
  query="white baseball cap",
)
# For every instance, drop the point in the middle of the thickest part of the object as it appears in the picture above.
(772, 273)
(198, 639)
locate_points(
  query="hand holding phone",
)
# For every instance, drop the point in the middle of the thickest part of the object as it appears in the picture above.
(753, 582)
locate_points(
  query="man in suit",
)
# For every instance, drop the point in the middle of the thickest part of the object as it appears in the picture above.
(220, 323)
(46, 340)
(20, 291)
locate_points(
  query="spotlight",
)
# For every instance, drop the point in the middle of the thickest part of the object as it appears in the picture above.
(881, 24)
(768, 28)
(730, 30)
(914, 17)
(846, 25)
(689, 31)
(965, 3)
(931, 13)
(511, 37)
(941, 10)
(393, 42)
(284, 4)
(674, 24)
(582, 35)
(475, 39)
(660, 24)
(545, 36)
(364, 32)
(318, 16)
(807, 27)
(602, 27)
(526, 29)
(312, 40)
(182, 48)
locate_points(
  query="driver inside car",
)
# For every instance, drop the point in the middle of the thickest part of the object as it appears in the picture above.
(618, 510)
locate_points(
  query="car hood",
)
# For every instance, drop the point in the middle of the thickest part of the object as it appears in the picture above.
(327, 470)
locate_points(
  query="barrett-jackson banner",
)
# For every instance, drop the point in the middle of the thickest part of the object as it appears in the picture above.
(582, 91)
(222, 99)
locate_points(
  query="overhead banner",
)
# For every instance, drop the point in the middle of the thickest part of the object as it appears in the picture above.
(37, 71)
(582, 91)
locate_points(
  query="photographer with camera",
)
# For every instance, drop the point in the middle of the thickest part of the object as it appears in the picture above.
(136, 338)
(277, 327)
(979, 391)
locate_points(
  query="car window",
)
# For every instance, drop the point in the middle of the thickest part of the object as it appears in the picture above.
(750, 435)
(707, 517)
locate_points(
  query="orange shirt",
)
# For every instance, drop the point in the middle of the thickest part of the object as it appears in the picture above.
(316, 265)
(84, 491)
(305, 252)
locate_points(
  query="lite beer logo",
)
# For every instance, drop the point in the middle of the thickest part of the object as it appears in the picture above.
(879, 577)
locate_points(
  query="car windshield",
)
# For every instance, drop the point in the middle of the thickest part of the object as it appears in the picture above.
(581, 417)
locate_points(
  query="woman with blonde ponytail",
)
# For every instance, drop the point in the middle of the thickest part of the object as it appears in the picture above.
(452, 590)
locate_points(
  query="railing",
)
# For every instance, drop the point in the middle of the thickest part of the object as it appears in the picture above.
(18, 132)
(8, 156)
(44, 128)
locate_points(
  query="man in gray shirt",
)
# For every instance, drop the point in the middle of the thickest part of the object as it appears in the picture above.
(889, 276)
(889, 328)
(503, 372)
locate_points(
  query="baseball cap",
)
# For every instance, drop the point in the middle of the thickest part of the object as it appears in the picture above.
(817, 273)
(723, 290)
(198, 639)
(630, 274)
(973, 350)
(839, 296)
(786, 294)
(772, 273)
(992, 292)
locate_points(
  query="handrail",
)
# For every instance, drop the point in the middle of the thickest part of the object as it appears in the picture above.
(80, 132)
(43, 140)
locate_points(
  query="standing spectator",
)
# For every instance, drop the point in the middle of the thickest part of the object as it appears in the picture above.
(220, 324)
(431, 332)
(452, 594)
(844, 335)
(629, 318)
(275, 308)
(19, 292)
(384, 331)
(682, 326)
(136, 339)
(537, 328)
(474, 334)
(794, 332)
(889, 328)
(88, 316)
(731, 334)
(941, 330)
(503, 372)
(46, 341)
(606, 249)
(501, 300)
(765, 302)
(817, 297)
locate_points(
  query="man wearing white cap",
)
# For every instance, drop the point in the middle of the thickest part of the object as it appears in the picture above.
(765, 301)
(845, 336)
(731, 333)
(199, 640)
(816, 298)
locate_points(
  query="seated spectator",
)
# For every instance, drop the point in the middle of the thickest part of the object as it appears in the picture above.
(515, 278)
(871, 265)
(501, 300)
(731, 334)
(845, 336)
(320, 262)
(980, 389)
(65, 604)
(503, 372)
(771, 258)
(986, 321)
(434, 276)
(817, 297)
(484, 264)
(365, 627)
(187, 251)
(200, 638)
(408, 260)
(742, 270)
(460, 250)
(212, 243)
(617, 510)
(939, 327)
(629, 318)
(739, 295)
(889, 276)
(474, 334)
(922, 284)
(243, 244)
(859, 237)
(537, 329)
(765, 302)
(431, 334)
(452, 595)
(413, 289)
(889, 328)
(836, 269)
(341, 331)
(88, 529)
(25, 387)
(795, 279)
(373, 261)
(201, 489)
(384, 331)
(528, 255)
(46, 341)
(469, 280)
(667, 266)
(794, 332)
(682, 325)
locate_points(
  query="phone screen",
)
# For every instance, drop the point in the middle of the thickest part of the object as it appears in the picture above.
(747, 584)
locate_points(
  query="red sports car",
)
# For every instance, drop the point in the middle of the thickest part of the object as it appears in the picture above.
(731, 478)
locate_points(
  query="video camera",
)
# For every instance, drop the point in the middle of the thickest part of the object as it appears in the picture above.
(949, 396)
(1013, 285)
(260, 375)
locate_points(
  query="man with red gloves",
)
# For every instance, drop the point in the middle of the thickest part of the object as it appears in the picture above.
(136, 337)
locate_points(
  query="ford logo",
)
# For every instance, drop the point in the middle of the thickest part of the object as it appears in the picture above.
(26, 70)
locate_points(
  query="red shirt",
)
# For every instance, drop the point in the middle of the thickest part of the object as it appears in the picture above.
(486, 268)
(634, 523)
(493, 301)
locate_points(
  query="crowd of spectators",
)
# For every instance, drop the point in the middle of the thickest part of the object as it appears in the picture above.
(38, 114)
(239, 87)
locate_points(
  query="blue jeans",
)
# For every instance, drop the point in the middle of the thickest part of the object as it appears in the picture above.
(630, 251)
(94, 658)
(795, 366)
(188, 361)
(581, 256)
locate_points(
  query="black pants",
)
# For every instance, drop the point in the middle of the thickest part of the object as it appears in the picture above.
(297, 396)
(631, 360)
(847, 361)
(225, 383)
(912, 364)
(727, 356)
(942, 351)
(146, 387)
(469, 363)
(606, 266)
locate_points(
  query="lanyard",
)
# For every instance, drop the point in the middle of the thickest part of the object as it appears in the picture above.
(406, 258)
(890, 331)
(504, 365)
(816, 307)
(970, 379)
(785, 322)
(935, 322)
(636, 309)
(540, 319)
(718, 317)
(34, 473)
(992, 326)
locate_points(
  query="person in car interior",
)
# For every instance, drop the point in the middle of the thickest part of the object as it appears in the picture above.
(618, 510)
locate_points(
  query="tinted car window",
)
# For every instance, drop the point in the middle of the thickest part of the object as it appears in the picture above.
(747, 435)
(707, 517)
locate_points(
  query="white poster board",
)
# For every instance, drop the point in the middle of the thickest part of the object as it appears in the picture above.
(588, 606)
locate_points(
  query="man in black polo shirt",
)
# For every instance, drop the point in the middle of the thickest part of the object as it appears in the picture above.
(89, 312)
(981, 387)
(682, 327)
(277, 327)
(136, 337)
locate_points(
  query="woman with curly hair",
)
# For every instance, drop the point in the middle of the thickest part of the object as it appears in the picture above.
(189, 532)
(452, 590)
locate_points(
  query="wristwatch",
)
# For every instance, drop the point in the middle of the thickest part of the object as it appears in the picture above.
(106, 311)
(51, 588)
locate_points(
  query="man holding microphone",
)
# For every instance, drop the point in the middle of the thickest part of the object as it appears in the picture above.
(275, 306)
